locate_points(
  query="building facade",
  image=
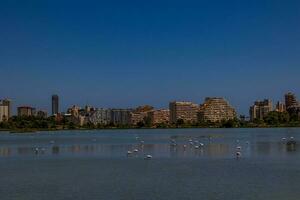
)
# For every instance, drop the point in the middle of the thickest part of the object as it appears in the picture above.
(26, 111)
(280, 107)
(55, 104)
(7, 103)
(290, 100)
(139, 114)
(159, 116)
(216, 109)
(136, 117)
(292, 105)
(120, 116)
(78, 120)
(100, 116)
(74, 110)
(260, 109)
(4, 112)
(182, 110)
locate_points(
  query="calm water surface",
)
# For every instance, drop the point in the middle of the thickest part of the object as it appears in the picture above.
(95, 165)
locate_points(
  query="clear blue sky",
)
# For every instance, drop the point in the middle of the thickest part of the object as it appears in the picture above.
(126, 53)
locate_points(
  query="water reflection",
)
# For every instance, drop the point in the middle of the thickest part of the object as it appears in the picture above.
(24, 150)
(160, 146)
(291, 145)
(5, 151)
(55, 150)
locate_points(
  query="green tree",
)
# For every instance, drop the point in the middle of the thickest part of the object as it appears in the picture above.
(179, 122)
(147, 121)
(277, 118)
(140, 124)
(71, 125)
(231, 123)
(162, 125)
(294, 117)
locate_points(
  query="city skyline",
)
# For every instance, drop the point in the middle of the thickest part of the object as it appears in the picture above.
(55, 100)
(116, 54)
(159, 99)
(216, 110)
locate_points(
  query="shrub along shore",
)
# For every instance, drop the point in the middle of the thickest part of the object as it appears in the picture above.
(32, 124)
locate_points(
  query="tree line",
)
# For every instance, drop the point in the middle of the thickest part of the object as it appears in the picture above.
(272, 119)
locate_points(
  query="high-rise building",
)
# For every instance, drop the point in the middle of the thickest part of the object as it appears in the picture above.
(290, 100)
(3, 112)
(26, 111)
(74, 110)
(6, 102)
(139, 114)
(88, 109)
(182, 110)
(280, 107)
(76, 115)
(292, 105)
(137, 117)
(100, 116)
(55, 104)
(159, 116)
(120, 116)
(260, 109)
(215, 110)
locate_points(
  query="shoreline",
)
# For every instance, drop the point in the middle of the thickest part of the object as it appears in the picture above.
(132, 128)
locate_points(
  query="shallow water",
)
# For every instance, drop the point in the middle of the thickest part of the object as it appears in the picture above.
(95, 164)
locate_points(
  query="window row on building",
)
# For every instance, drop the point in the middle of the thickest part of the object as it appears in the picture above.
(260, 109)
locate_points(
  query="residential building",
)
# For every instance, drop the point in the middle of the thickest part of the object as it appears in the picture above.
(139, 114)
(120, 116)
(186, 111)
(4, 112)
(290, 100)
(280, 107)
(89, 109)
(136, 117)
(74, 110)
(292, 105)
(100, 116)
(76, 115)
(216, 109)
(144, 108)
(6, 102)
(55, 104)
(159, 116)
(26, 111)
(78, 120)
(260, 109)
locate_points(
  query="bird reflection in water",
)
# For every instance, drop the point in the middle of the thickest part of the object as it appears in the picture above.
(55, 150)
(291, 145)
(5, 151)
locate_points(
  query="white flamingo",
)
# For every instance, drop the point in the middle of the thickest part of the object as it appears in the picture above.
(148, 157)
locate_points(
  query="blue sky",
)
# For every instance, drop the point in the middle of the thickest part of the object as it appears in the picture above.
(127, 53)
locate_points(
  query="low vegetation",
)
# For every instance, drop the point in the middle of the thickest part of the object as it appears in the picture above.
(28, 124)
